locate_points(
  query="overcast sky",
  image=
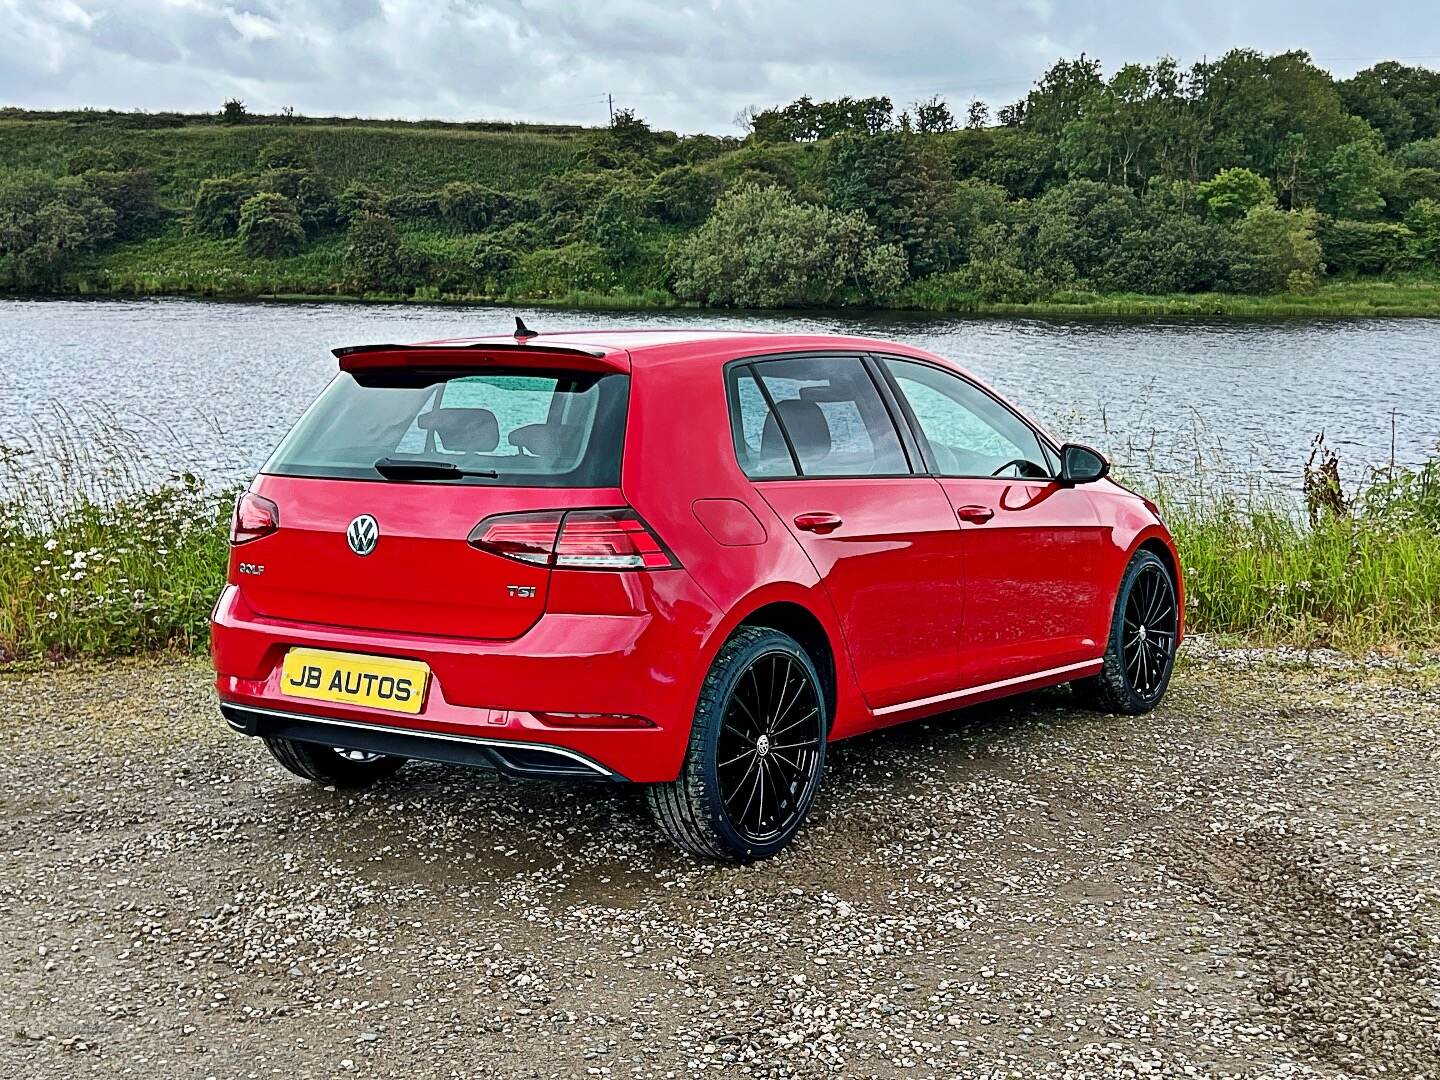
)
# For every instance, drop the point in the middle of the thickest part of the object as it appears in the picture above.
(682, 65)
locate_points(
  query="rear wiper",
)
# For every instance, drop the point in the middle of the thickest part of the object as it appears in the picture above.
(401, 469)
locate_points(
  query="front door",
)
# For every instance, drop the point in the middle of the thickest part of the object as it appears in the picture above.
(817, 435)
(1031, 546)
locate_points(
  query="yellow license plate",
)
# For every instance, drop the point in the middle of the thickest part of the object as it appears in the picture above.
(379, 682)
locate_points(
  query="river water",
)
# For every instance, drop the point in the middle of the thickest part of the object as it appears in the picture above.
(211, 387)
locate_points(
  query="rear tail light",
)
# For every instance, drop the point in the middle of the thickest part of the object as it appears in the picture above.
(575, 540)
(255, 516)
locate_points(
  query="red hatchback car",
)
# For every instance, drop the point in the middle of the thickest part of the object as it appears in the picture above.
(682, 559)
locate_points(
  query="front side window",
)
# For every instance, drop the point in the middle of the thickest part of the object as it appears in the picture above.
(527, 429)
(969, 433)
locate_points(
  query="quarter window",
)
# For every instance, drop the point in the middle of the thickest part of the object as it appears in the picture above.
(969, 433)
(827, 417)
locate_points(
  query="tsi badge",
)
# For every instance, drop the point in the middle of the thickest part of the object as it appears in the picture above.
(520, 592)
(363, 534)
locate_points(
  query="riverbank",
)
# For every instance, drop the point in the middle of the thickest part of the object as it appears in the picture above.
(113, 575)
(197, 267)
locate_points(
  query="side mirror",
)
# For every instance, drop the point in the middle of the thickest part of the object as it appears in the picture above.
(1080, 464)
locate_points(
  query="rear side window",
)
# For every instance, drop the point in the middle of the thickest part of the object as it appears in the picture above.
(815, 416)
(531, 429)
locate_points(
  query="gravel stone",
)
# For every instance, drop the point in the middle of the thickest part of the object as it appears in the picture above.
(1244, 884)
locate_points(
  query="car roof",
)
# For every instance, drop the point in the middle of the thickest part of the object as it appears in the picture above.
(641, 345)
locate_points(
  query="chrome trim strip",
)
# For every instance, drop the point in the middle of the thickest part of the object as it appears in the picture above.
(472, 740)
(971, 691)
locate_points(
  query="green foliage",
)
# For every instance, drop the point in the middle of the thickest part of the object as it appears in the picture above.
(1277, 249)
(684, 195)
(270, 226)
(1232, 193)
(216, 209)
(1401, 103)
(1423, 221)
(43, 223)
(762, 248)
(375, 258)
(1364, 247)
(286, 152)
(469, 207)
(313, 201)
(1358, 175)
(234, 112)
(556, 272)
(1421, 154)
(617, 223)
(902, 189)
(804, 120)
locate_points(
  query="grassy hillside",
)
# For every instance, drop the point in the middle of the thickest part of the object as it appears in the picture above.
(1249, 185)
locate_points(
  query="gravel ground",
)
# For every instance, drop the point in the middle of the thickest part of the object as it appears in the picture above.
(1244, 884)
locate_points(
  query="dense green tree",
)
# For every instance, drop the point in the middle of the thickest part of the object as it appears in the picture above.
(1062, 95)
(902, 187)
(1277, 250)
(270, 226)
(375, 257)
(308, 191)
(933, 116)
(616, 224)
(1423, 221)
(234, 112)
(762, 248)
(131, 194)
(1231, 193)
(684, 195)
(1357, 176)
(1019, 161)
(1075, 227)
(216, 209)
(43, 221)
(1401, 103)
(1364, 247)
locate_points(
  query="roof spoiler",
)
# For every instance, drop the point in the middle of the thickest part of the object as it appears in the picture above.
(504, 353)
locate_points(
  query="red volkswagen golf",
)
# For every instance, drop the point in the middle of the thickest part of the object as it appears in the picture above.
(687, 560)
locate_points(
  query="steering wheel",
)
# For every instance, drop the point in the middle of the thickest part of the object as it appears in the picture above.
(1020, 463)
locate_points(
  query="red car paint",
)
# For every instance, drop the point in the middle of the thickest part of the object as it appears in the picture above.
(930, 592)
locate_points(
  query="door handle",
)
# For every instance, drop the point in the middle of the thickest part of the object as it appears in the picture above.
(977, 515)
(818, 521)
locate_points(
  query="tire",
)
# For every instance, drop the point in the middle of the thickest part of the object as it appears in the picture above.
(1132, 683)
(331, 764)
(736, 754)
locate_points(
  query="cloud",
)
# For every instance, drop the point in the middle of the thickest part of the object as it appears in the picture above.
(690, 65)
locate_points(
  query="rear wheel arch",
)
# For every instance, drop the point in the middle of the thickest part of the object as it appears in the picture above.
(800, 623)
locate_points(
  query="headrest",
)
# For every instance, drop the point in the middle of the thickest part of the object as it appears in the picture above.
(808, 430)
(474, 431)
(545, 440)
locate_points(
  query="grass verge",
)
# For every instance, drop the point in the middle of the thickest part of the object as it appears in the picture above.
(107, 568)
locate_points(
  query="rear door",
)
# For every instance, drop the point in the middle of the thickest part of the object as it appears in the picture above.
(818, 437)
(1032, 547)
(377, 443)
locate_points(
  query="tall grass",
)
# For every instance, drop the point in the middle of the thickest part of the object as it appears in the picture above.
(95, 561)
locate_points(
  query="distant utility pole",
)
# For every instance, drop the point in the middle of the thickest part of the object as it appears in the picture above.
(610, 100)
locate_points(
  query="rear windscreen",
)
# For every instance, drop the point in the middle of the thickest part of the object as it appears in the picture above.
(530, 428)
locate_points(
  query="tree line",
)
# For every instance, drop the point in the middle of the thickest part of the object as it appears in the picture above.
(1247, 174)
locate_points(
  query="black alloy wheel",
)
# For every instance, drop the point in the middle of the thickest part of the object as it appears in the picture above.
(1140, 652)
(756, 753)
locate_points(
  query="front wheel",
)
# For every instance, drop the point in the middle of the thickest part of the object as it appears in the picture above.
(1140, 653)
(332, 764)
(757, 750)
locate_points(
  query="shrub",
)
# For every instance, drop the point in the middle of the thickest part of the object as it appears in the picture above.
(617, 223)
(43, 221)
(285, 152)
(375, 257)
(553, 272)
(1234, 192)
(762, 248)
(491, 259)
(1363, 247)
(131, 194)
(469, 207)
(216, 210)
(1424, 222)
(684, 195)
(310, 194)
(1171, 253)
(358, 198)
(270, 227)
(1276, 249)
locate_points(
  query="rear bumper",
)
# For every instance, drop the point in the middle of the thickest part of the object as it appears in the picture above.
(530, 760)
(487, 697)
